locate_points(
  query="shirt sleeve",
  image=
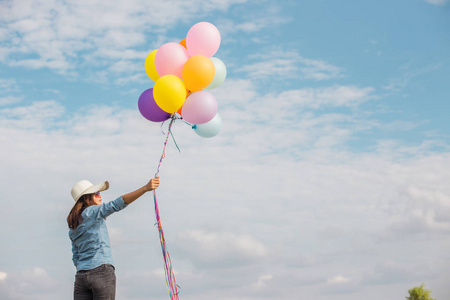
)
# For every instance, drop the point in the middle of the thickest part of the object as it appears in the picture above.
(105, 209)
(75, 254)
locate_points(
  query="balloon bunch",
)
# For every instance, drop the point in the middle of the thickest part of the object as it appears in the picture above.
(183, 73)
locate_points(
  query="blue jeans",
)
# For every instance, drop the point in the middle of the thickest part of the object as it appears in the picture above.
(95, 284)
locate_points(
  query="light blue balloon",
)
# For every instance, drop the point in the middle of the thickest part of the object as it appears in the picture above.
(209, 129)
(220, 74)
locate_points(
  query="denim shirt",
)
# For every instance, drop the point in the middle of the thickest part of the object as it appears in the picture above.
(90, 240)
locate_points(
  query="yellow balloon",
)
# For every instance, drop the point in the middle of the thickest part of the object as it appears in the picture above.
(169, 93)
(150, 66)
(198, 72)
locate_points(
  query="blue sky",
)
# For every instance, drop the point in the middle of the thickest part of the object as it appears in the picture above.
(329, 178)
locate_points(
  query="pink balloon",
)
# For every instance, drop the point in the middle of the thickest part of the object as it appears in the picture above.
(200, 107)
(170, 59)
(203, 39)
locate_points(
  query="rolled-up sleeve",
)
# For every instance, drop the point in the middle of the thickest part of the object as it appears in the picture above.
(106, 209)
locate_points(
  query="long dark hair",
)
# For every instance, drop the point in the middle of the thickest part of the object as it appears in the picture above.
(74, 218)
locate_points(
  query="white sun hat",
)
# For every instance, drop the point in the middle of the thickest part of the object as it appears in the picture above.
(84, 187)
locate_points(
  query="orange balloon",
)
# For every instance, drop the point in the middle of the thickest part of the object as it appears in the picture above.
(198, 72)
(183, 43)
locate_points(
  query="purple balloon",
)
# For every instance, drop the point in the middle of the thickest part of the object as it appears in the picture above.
(149, 109)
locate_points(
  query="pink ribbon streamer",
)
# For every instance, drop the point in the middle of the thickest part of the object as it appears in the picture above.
(170, 277)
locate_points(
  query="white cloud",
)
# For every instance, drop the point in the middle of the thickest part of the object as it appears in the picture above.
(305, 115)
(338, 280)
(319, 70)
(408, 74)
(275, 206)
(62, 35)
(3, 276)
(279, 65)
(9, 92)
(10, 100)
(341, 285)
(33, 283)
(214, 249)
(437, 2)
(292, 101)
(426, 211)
(26, 116)
(335, 96)
(271, 17)
(388, 271)
(279, 68)
(8, 85)
(232, 204)
(262, 281)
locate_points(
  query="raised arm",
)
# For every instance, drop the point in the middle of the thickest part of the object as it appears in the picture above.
(150, 186)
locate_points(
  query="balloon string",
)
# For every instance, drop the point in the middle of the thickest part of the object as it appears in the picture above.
(169, 132)
(171, 283)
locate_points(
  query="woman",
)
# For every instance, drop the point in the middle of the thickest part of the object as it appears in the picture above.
(95, 278)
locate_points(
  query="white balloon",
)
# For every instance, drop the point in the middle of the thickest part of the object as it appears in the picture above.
(209, 129)
(220, 73)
